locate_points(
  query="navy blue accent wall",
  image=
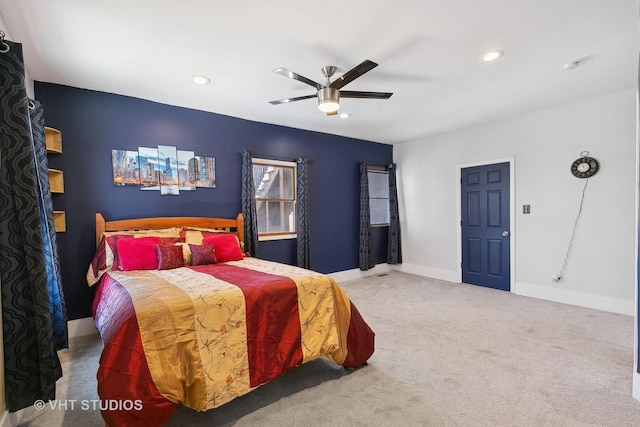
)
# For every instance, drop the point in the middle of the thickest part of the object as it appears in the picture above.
(93, 123)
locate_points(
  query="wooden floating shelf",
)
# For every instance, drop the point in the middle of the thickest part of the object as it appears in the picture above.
(56, 181)
(53, 140)
(53, 143)
(59, 221)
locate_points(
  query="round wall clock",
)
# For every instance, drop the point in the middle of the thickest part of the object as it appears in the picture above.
(585, 166)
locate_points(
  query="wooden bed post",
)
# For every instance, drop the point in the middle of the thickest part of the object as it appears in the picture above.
(100, 228)
(240, 230)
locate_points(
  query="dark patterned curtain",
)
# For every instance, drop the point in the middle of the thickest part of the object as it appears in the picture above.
(249, 205)
(31, 361)
(366, 260)
(302, 213)
(394, 249)
(57, 306)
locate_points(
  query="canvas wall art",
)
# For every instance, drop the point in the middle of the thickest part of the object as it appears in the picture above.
(163, 168)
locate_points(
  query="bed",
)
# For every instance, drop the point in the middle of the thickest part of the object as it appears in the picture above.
(196, 329)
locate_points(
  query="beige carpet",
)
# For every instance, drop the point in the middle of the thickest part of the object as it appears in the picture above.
(446, 355)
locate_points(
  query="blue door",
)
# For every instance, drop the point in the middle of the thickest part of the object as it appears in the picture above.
(485, 226)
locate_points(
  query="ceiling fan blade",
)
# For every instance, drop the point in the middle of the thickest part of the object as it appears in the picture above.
(287, 100)
(369, 95)
(353, 74)
(288, 73)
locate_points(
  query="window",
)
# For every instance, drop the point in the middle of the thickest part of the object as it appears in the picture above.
(275, 183)
(378, 195)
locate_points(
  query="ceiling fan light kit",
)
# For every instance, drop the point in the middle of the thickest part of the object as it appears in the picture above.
(328, 99)
(329, 94)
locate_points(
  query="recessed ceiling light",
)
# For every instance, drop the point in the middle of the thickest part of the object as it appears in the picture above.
(492, 55)
(200, 80)
(345, 115)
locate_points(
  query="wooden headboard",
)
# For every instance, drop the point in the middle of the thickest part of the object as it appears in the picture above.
(231, 225)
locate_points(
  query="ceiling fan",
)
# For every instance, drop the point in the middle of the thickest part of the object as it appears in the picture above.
(329, 94)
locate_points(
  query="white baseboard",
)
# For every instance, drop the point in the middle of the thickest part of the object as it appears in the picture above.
(356, 273)
(81, 327)
(434, 273)
(636, 385)
(564, 296)
(596, 302)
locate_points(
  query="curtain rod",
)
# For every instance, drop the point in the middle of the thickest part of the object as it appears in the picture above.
(380, 168)
(282, 159)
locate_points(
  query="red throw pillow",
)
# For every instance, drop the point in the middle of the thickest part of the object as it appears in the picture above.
(202, 254)
(138, 254)
(169, 257)
(112, 242)
(226, 245)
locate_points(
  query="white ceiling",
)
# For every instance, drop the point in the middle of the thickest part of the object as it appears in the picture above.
(429, 54)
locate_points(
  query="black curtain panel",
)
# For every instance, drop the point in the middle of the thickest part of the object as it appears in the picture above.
(57, 306)
(249, 205)
(31, 361)
(394, 248)
(366, 259)
(302, 213)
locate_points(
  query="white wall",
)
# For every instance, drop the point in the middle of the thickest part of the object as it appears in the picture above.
(601, 266)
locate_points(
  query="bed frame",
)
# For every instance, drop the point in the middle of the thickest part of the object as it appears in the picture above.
(231, 225)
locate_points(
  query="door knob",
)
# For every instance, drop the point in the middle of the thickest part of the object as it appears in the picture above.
(505, 233)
